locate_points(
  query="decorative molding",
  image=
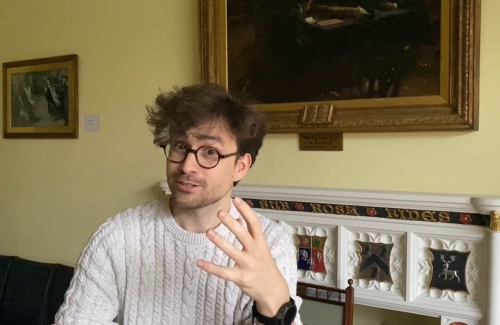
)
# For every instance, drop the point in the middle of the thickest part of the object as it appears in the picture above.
(435, 208)
(373, 212)
(376, 122)
(446, 320)
(486, 204)
(495, 221)
(317, 115)
(396, 199)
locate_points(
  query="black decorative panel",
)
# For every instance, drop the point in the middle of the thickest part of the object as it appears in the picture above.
(448, 270)
(429, 216)
(375, 261)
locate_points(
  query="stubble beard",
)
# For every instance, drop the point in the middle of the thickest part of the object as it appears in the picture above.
(200, 200)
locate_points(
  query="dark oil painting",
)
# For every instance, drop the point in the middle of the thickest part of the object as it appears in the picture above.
(282, 51)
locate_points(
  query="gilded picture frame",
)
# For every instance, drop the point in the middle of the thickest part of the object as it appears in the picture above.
(40, 98)
(453, 107)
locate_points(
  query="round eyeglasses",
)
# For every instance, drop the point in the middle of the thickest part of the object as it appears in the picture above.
(207, 157)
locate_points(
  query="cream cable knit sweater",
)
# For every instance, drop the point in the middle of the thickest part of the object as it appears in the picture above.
(139, 268)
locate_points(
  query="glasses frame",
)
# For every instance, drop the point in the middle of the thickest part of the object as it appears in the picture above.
(195, 152)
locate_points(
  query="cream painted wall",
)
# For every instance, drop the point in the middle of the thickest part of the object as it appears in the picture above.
(54, 193)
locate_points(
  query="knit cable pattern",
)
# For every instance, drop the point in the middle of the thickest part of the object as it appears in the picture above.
(139, 268)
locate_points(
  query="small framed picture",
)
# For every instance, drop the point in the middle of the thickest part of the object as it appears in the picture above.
(41, 98)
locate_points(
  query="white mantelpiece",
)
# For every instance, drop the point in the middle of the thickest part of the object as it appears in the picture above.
(411, 260)
(487, 205)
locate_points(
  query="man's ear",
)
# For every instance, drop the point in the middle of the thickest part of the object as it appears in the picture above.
(242, 167)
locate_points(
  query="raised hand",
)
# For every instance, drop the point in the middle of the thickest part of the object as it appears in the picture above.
(255, 271)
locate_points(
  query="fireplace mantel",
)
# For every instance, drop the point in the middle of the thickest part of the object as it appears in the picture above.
(428, 254)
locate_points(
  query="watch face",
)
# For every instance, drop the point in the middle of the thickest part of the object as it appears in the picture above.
(289, 315)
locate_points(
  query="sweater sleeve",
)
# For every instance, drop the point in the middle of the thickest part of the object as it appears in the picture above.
(92, 297)
(283, 251)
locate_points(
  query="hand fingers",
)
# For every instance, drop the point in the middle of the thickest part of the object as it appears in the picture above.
(253, 222)
(227, 273)
(234, 253)
(238, 230)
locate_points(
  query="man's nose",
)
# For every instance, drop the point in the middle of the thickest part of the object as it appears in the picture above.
(190, 164)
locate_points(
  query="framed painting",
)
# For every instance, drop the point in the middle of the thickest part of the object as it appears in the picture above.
(338, 66)
(40, 98)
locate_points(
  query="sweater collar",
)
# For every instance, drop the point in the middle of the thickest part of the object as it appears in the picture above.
(181, 234)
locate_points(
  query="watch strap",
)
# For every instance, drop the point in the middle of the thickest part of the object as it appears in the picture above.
(276, 320)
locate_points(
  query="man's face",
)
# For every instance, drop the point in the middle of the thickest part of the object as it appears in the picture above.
(193, 186)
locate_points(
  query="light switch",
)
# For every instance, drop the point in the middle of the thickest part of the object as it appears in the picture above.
(91, 123)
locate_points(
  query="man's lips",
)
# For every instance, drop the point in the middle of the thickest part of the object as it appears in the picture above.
(188, 184)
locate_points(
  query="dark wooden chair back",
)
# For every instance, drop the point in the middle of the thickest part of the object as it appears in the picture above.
(333, 296)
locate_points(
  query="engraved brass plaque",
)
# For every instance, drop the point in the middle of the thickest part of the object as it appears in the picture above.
(321, 142)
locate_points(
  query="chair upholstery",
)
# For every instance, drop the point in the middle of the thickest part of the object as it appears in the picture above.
(31, 292)
(60, 283)
(5, 263)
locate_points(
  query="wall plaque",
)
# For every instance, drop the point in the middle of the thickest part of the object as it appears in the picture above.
(321, 142)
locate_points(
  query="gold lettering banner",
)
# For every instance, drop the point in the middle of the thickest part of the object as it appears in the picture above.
(373, 212)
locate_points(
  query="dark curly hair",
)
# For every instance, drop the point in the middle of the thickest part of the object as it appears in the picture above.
(175, 112)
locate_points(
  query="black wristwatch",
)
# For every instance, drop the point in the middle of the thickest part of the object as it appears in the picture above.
(285, 316)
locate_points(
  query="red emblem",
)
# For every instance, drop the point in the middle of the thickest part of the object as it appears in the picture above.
(299, 206)
(304, 241)
(310, 253)
(371, 212)
(249, 202)
(317, 263)
(465, 218)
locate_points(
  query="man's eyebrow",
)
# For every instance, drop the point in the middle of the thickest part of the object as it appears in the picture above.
(209, 138)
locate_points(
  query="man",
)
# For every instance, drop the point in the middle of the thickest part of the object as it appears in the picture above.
(24, 112)
(197, 256)
(53, 102)
(63, 97)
